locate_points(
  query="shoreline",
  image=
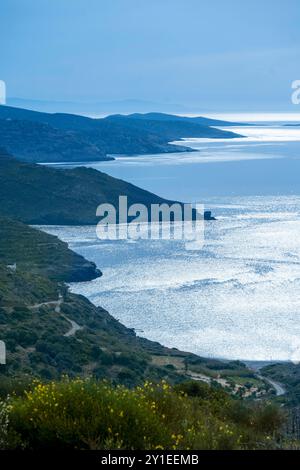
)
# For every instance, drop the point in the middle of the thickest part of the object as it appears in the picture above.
(252, 364)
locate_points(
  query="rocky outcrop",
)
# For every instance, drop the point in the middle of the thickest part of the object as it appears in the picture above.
(82, 272)
(208, 216)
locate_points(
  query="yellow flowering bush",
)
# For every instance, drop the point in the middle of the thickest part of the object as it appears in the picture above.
(86, 414)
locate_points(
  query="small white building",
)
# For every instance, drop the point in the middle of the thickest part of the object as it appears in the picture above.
(12, 267)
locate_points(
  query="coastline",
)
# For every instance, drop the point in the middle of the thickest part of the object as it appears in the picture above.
(171, 356)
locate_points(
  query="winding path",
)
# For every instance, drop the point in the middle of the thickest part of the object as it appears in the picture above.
(74, 327)
(57, 303)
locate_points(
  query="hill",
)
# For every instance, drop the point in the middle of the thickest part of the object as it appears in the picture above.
(37, 326)
(40, 142)
(42, 195)
(45, 137)
(287, 374)
(173, 129)
(42, 254)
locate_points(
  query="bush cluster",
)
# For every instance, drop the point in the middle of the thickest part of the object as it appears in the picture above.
(90, 414)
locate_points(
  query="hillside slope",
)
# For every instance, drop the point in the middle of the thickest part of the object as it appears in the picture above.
(43, 195)
(37, 318)
(40, 142)
(42, 254)
(174, 129)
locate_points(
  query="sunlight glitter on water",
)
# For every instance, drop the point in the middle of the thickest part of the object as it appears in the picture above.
(236, 298)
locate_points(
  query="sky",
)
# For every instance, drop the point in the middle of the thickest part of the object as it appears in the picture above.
(212, 55)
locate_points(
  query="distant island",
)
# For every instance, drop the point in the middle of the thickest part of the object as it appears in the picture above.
(44, 137)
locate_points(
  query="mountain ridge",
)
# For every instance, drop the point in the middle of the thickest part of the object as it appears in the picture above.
(60, 137)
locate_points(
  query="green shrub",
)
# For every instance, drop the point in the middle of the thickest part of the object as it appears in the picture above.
(86, 414)
(22, 337)
(14, 386)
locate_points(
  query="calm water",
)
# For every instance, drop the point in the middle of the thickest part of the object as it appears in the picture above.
(238, 297)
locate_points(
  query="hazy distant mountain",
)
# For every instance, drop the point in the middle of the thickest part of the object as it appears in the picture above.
(97, 108)
(46, 137)
(203, 121)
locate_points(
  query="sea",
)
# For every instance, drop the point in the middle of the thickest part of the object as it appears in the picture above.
(238, 295)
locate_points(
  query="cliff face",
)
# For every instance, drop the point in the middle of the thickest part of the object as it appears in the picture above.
(81, 271)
